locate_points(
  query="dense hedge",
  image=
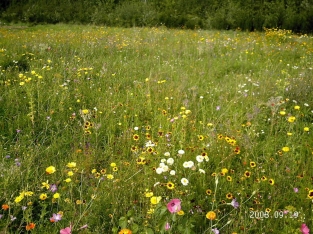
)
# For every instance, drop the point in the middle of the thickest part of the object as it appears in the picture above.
(295, 15)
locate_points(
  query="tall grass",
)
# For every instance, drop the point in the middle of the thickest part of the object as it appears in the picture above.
(103, 127)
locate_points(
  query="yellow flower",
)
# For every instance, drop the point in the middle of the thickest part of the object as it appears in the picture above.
(149, 194)
(310, 195)
(306, 129)
(43, 196)
(56, 195)
(45, 185)
(68, 180)
(282, 112)
(50, 170)
(224, 170)
(297, 107)
(18, 199)
(110, 176)
(85, 111)
(28, 193)
(289, 133)
(155, 200)
(211, 215)
(150, 211)
(291, 119)
(71, 164)
(271, 181)
(181, 212)
(113, 164)
(285, 149)
(70, 173)
(170, 185)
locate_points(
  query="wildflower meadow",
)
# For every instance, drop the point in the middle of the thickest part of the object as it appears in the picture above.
(155, 130)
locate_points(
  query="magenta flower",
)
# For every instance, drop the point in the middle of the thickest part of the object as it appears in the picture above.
(304, 229)
(174, 205)
(215, 231)
(67, 230)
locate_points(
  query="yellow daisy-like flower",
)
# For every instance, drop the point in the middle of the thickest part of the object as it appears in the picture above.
(170, 185)
(224, 170)
(70, 173)
(148, 194)
(297, 107)
(271, 181)
(113, 164)
(71, 164)
(85, 111)
(252, 164)
(45, 185)
(43, 196)
(18, 199)
(310, 194)
(291, 119)
(282, 112)
(306, 129)
(110, 176)
(286, 149)
(50, 170)
(211, 215)
(155, 200)
(56, 195)
(181, 212)
(68, 180)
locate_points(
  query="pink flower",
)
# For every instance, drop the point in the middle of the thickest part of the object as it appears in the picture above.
(174, 205)
(167, 226)
(304, 229)
(67, 230)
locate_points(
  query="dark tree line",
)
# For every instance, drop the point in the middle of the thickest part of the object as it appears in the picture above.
(296, 15)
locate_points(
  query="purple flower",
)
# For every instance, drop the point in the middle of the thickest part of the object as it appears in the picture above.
(215, 231)
(55, 218)
(234, 203)
(295, 190)
(1, 216)
(53, 188)
(7, 156)
(167, 226)
(174, 205)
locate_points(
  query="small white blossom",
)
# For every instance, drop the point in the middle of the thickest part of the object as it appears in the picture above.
(159, 170)
(184, 181)
(170, 161)
(167, 154)
(200, 158)
(172, 172)
(202, 171)
(165, 168)
(181, 152)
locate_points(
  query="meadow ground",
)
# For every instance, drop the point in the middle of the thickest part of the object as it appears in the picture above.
(155, 130)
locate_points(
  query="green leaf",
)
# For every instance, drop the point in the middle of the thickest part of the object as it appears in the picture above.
(122, 222)
(134, 228)
(130, 213)
(148, 231)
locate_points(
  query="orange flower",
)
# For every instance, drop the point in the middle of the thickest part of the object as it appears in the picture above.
(211, 215)
(5, 207)
(125, 231)
(30, 226)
